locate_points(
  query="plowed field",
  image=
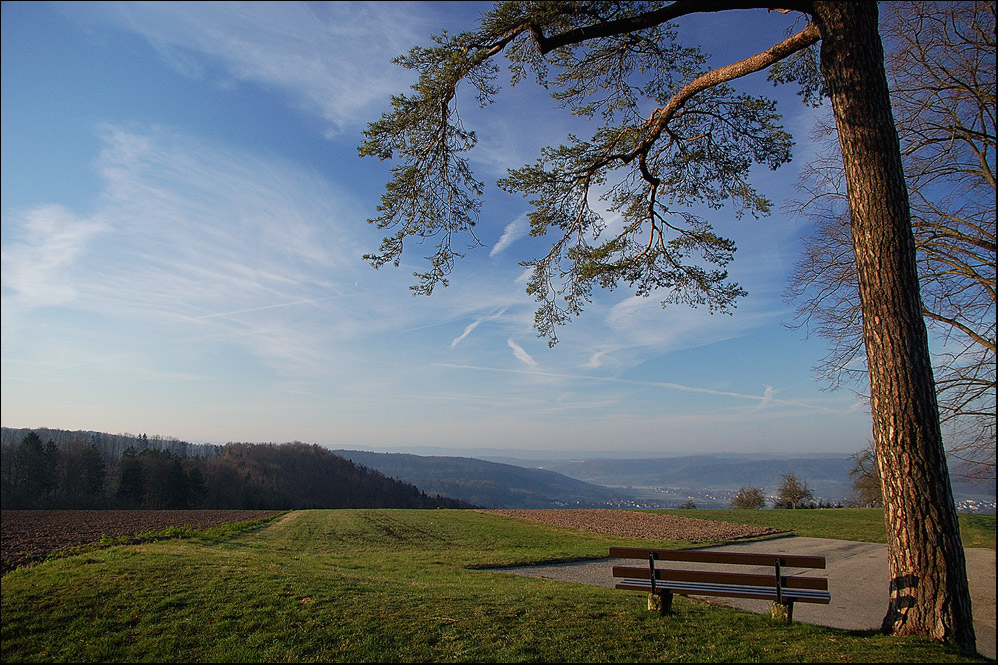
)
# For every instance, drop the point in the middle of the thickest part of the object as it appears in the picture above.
(29, 535)
(639, 524)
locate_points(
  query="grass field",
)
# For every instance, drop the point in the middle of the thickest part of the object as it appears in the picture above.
(399, 586)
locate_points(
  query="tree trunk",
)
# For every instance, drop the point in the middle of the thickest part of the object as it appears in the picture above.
(929, 594)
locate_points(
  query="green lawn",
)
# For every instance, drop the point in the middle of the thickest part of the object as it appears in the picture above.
(386, 586)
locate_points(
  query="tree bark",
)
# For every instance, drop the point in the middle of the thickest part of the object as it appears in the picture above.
(929, 593)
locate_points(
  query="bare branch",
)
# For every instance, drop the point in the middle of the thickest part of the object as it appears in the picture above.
(651, 19)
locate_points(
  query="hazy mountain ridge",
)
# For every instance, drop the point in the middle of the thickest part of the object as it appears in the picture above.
(721, 475)
(828, 474)
(485, 483)
(709, 481)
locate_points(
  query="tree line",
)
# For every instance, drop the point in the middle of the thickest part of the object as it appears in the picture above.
(39, 474)
(112, 446)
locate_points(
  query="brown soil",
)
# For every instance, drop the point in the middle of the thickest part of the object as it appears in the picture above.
(636, 524)
(30, 535)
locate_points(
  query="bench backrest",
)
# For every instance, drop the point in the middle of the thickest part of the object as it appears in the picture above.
(708, 556)
(785, 588)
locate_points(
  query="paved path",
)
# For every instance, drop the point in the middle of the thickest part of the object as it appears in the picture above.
(857, 579)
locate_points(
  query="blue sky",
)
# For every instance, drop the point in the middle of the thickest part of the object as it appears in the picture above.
(184, 214)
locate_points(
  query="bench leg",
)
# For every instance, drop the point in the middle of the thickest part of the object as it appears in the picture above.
(660, 602)
(783, 611)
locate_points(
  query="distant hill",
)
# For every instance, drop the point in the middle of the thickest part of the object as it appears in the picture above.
(714, 478)
(827, 475)
(708, 481)
(488, 484)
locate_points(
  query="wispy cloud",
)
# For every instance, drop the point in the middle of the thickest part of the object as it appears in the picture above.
(36, 261)
(765, 399)
(515, 230)
(474, 324)
(596, 360)
(332, 59)
(521, 354)
(467, 331)
(641, 322)
(221, 243)
(310, 301)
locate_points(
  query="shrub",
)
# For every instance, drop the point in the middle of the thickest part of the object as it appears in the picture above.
(751, 498)
(794, 493)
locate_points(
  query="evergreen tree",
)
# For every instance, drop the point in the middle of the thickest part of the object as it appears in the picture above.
(130, 485)
(676, 134)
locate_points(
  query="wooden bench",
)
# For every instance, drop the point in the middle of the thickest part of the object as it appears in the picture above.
(661, 583)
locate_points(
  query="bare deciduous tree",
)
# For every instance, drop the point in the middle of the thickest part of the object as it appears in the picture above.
(794, 493)
(866, 483)
(941, 63)
(749, 498)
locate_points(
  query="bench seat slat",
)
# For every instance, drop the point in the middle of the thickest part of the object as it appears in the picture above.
(709, 576)
(741, 591)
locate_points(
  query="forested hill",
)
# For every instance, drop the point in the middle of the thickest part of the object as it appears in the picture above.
(78, 472)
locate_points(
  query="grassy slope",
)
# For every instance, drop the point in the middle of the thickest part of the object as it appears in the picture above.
(381, 585)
